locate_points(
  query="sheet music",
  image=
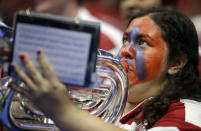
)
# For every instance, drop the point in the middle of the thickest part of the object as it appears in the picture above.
(67, 50)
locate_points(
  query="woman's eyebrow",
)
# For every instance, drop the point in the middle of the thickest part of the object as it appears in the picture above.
(146, 36)
(126, 36)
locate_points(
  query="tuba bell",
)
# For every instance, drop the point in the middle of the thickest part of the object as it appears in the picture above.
(106, 101)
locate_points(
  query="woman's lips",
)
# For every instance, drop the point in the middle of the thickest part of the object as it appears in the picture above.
(128, 65)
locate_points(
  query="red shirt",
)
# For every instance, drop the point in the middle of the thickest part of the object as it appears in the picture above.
(182, 115)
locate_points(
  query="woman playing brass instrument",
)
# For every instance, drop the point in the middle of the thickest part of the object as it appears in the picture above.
(160, 54)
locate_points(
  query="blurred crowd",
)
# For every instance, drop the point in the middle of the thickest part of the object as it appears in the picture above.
(110, 11)
(114, 13)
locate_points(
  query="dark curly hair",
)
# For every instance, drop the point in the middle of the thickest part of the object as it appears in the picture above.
(182, 40)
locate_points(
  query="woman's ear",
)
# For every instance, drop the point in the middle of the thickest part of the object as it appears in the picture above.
(177, 64)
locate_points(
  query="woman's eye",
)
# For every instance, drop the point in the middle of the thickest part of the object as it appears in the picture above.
(142, 43)
(126, 42)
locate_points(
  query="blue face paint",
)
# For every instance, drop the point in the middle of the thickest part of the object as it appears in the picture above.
(139, 61)
(140, 64)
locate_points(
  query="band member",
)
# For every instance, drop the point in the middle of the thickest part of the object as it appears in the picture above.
(160, 54)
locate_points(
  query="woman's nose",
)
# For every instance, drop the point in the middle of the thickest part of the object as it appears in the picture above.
(127, 52)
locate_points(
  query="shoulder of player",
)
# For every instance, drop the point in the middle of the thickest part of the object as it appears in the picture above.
(182, 114)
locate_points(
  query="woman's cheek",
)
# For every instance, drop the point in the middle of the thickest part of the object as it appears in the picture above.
(153, 59)
(152, 70)
(153, 64)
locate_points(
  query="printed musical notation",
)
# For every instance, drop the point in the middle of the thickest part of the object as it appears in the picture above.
(67, 50)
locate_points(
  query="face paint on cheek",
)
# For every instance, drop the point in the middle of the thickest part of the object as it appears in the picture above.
(140, 65)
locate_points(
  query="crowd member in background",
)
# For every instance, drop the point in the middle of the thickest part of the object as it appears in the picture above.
(110, 36)
(7, 10)
(106, 10)
(130, 7)
(189, 7)
(160, 53)
(9, 7)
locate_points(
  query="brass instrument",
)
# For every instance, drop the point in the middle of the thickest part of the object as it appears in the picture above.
(106, 101)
